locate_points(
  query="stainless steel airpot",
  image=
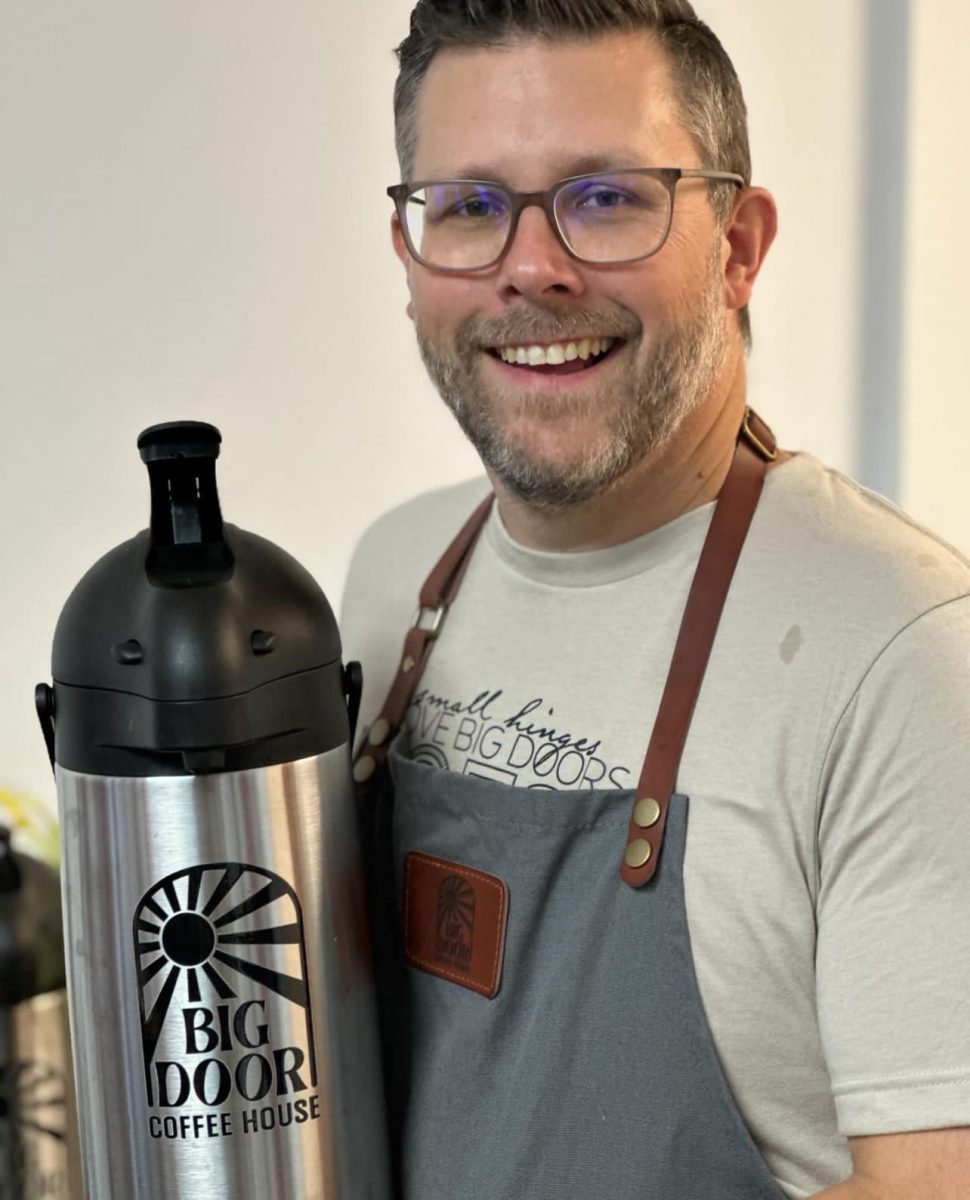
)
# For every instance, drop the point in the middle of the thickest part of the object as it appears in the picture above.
(221, 995)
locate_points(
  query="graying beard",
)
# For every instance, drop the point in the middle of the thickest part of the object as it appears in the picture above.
(681, 369)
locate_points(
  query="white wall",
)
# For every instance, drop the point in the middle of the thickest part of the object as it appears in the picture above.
(936, 413)
(193, 224)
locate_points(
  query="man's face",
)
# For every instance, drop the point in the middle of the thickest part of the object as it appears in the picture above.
(528, 115)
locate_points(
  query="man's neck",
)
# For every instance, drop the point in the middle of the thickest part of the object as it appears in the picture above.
(685, 474)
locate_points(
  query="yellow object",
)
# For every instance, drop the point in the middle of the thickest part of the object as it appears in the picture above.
(33, 825)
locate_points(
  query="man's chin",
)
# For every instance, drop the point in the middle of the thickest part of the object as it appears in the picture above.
(527, 412)
(553, 476)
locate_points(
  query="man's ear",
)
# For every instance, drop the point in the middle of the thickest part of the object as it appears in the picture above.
(748, 235)
(401, 250)
(397, 240)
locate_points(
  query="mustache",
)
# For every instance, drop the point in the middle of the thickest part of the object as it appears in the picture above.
(546, 324)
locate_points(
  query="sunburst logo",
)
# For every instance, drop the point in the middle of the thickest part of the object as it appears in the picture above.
(217, 947)
(456, 922)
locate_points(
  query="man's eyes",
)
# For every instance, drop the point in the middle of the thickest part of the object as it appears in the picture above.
(603, 197)
(480, 206)
(474, 206)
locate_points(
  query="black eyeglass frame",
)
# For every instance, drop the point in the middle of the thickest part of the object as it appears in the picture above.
(546, 200)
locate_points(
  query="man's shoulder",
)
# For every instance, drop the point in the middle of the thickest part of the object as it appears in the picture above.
(397, 551)
(833, 533)
(419, 529)
(391, 561)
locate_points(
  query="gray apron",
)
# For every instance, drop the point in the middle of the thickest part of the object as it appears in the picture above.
(543, 1031)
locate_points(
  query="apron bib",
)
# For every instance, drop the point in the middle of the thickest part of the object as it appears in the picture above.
(543, 1032)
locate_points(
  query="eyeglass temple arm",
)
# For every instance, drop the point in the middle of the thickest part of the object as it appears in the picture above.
(699, 173)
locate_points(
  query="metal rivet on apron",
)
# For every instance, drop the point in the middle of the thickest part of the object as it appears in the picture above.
(364, 768)
(408, 664)
(637, 853)
(379, 731)
(646, 813)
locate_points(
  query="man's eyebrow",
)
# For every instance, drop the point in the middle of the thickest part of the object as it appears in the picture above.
(623, 160)
(565, 168)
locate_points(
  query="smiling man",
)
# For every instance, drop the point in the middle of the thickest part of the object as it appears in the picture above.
(662, 795)
(564, 423)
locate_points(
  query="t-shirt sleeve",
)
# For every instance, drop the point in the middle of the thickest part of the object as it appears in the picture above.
(374, 614)
(893, 949)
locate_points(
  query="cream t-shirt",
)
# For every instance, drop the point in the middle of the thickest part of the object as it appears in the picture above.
(827, 871)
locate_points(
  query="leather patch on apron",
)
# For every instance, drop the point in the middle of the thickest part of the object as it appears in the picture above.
(454, 922)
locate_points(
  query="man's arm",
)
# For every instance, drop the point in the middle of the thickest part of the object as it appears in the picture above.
(933, 1165)
(894, 916)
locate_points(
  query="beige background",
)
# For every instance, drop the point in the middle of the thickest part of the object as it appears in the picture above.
(193, 224)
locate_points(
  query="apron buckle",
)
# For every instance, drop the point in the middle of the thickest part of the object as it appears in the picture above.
(437, 616)
(762, 442)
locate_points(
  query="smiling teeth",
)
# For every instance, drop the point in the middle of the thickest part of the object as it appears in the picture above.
(553, 355)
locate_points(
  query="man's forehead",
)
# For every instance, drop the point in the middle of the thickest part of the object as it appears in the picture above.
(568, 105)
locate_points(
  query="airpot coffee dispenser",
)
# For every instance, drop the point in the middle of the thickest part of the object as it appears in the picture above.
(221, 996)
(38, 1129)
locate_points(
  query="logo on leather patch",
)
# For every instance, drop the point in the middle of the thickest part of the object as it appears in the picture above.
(454, 920)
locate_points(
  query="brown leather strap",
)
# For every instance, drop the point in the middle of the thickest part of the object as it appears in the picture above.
(438, 591)
(735, 507)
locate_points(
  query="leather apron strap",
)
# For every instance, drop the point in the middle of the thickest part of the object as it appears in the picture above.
(736, 504)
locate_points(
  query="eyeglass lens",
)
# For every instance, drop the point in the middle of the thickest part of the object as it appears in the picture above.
(606, 218)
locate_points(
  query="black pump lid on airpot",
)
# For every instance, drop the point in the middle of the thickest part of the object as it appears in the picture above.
(195, 646)
(31, 942)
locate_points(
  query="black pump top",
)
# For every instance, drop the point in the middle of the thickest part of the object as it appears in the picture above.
(194, 645)
(31, 943)
(187, 544)
(179, 439)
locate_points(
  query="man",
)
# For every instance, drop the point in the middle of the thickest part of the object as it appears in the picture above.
(755, 985)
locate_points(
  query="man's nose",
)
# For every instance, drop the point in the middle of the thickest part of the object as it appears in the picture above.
(537, 264)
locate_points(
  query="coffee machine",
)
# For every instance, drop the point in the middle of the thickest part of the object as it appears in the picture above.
(38, 1126)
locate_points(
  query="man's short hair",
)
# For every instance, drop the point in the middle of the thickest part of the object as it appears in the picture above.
(707, 88)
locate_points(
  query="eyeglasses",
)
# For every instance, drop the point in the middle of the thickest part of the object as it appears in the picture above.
(614, 217)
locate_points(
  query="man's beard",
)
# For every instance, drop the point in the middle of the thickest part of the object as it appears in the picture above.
(643, 405)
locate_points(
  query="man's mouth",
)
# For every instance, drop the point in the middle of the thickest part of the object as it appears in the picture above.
(557, 358)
